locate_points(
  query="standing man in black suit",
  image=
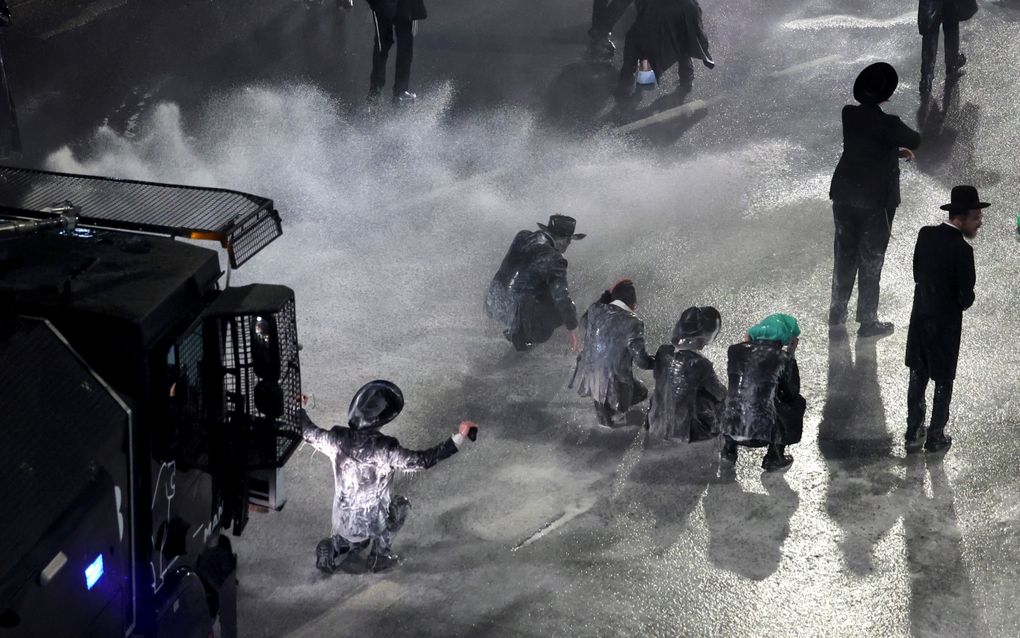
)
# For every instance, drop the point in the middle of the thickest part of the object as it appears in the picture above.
(948, 14)
(865, 192)
(394, 18)
(943, 289)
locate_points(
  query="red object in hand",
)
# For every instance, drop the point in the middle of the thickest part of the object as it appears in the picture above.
(469, 429)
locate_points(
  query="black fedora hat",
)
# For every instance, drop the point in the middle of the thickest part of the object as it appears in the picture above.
(697, 323)
(964, 198)
(562, 226)
(876, 83)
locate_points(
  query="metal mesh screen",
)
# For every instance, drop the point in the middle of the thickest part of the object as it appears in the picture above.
(243, 223)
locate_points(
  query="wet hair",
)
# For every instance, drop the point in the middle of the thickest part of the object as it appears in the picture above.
(624, 291)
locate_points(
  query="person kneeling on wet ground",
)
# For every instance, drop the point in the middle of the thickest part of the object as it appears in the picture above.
(688, 400)
(614, 341)
(665, 32)
(529, 295)
(763, 403)
(364, 464)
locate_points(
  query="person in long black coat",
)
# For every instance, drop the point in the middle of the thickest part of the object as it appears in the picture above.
(614, 342)
(10, 134)
(944, 280)
(665, 32)
(687, 403)
(365, 462)
(948, 14)
(763, 402)
(865, 192)
(394, 18)
(529, 294)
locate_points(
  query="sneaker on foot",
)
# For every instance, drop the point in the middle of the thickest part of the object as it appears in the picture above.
(404, 98)
(875, 329)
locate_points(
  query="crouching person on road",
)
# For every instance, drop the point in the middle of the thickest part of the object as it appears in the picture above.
(688, 399)
(364, 462)
(763, 404)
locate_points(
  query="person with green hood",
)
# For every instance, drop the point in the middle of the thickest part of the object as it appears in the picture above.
(763, 403)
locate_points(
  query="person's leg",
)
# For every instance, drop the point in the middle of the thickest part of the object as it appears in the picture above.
(405, 53)
(381, 555)
(685, 74)
(874, 240)
(729, 449)
(630, 60)
(330, 552)
(846, 259)
(776, 458)
(954, 59)
(601, 415)
(380, 53)
(916, 407)
(929, 53)
(937, 439)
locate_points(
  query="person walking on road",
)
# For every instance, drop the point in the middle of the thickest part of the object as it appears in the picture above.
(394, 19)
(865, 192)
(931, 14)
(943, 288)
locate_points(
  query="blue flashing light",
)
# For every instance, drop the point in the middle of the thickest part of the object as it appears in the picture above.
(94, 572)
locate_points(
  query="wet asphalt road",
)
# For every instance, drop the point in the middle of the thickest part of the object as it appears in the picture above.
(549, 525)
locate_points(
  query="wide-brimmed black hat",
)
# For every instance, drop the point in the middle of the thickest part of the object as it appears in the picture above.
(376, 404)
(876, 83)
(697, 323)
(562, 226)
(964, 198)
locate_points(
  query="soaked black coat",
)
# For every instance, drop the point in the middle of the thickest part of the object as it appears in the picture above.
(402, 10)
(529, 293)
(666, 31)
(364, 465)
(763, 402)
(931, 13)
(868, 172)
(688, 400)
(614, 341)
(943, 288)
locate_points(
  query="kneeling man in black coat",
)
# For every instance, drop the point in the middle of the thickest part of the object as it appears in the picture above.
(943, 288)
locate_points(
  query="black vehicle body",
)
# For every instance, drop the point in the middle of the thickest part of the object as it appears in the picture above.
(145, 410)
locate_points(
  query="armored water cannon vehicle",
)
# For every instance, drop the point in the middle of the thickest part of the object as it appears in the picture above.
(145, 409)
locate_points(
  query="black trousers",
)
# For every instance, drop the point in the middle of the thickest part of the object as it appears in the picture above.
(916, 403)
(384, 35)
(862, 235)
(606, 13)
(930, 48)
(604, 412)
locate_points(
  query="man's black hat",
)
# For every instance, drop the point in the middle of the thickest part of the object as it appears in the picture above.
(876, 83)
(376, 404)
(562, 226)
(964, 198)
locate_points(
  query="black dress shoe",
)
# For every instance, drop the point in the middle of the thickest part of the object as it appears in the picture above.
(405, 98)
(914, 439)
(937, 442)
(776, 463)
(875, 329)
(956, 70)
(381, 562)
(729, 452)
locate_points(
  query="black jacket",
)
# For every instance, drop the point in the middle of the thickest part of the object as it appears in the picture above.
(666, 31)
(943, 288)
(688, 399)
(931, 13)
(763, 402)
(614, 341)
(403, 10)
(868, 172)
(531, 281)
(364, 463)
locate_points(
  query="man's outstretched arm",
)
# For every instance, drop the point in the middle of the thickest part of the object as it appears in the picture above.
(402, 458)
